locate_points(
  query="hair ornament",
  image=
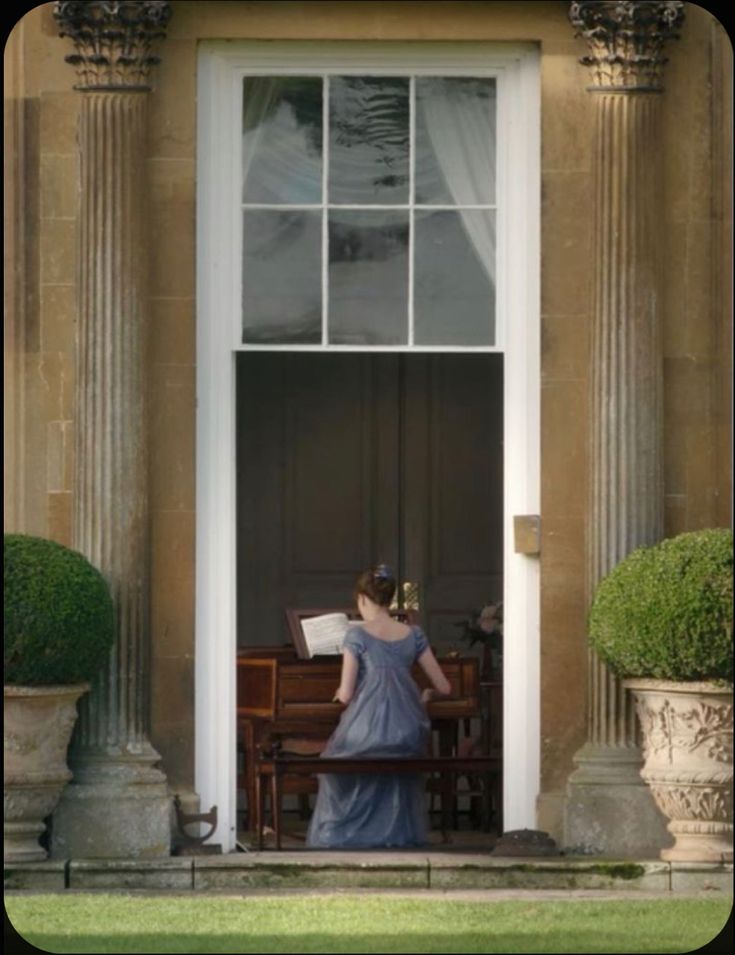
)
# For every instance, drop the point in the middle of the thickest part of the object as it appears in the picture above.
(383, 572)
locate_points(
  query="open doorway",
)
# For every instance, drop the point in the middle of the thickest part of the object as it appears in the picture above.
(344, 460)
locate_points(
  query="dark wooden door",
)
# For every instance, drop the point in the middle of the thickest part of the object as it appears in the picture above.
(344, 460)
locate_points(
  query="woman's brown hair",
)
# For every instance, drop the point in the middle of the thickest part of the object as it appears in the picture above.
(377, 584)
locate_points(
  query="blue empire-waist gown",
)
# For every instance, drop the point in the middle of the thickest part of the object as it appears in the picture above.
(385, 718)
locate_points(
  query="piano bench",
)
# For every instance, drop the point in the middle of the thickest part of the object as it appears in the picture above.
(275, 766)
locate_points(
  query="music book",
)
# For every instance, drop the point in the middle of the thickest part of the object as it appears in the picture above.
(325, 634)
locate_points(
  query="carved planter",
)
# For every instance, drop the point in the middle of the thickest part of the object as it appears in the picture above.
(38, 725)
(687, 749)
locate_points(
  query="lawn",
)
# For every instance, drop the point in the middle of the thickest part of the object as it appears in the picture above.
(194, 924)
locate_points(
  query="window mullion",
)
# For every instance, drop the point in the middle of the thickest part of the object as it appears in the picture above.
(325, 210)
(411, 172)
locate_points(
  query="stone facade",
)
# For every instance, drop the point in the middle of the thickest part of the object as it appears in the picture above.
(43, 216)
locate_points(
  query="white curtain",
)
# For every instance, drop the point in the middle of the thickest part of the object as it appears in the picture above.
(459, 118)
(279, 161)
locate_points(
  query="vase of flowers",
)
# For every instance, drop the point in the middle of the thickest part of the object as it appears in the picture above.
(485, 626)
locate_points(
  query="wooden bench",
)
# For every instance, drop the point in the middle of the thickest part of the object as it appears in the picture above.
(274, 765)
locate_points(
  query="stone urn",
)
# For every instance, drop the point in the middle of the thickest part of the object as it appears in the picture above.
(687, 750)
(38, 725)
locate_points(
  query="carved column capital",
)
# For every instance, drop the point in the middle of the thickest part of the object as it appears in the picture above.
(113, 40)
(626, 40)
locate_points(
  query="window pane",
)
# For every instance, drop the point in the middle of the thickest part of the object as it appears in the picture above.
(368, 138)
(454, 276)
(368, 278)
(281, 280)
(455, 141)
(282, 139)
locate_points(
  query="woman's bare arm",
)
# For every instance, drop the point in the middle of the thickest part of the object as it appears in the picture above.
(347, 682)
(440, 684)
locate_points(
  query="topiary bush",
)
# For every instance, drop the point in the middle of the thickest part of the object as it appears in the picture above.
(665, 612)
(58, 614)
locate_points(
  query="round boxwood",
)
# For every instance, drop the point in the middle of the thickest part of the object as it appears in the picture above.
(58, 614)
(665, 612)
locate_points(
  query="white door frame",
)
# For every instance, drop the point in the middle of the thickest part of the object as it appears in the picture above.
(221, 66)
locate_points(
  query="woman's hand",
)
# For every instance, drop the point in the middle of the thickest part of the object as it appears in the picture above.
(427, 695)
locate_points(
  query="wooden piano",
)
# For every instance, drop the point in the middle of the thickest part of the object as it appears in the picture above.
(276, 688)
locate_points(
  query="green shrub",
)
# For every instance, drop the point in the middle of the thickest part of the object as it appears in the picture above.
(58, 614)
(665, 612)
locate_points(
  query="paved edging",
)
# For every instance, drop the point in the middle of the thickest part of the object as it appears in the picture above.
(370, 870)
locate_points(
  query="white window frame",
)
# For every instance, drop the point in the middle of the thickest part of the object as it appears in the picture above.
(410, 207)
(221, 68)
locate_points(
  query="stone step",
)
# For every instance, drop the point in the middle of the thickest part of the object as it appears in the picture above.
(368, 870)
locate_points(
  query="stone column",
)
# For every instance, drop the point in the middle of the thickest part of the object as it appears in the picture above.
(608, 808)
(118, 803)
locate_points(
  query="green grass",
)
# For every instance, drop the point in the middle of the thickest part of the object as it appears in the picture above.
(103, 923)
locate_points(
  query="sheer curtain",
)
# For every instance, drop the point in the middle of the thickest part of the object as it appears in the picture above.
(459, 118)
(281, 161)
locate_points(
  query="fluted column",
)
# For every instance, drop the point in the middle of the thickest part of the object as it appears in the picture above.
(608, 807)
(118, 802)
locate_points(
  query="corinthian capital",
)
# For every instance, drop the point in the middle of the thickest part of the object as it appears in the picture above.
(626, 40)
(113, 40)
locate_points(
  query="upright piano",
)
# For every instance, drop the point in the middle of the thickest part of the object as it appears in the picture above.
(277, 689)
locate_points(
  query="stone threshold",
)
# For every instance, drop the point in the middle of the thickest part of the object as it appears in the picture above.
(369, 870)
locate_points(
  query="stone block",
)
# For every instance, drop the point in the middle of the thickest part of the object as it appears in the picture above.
(58, 316)
(172, 539)
(567, 263)
(567, 112)
(59, 186)
(489, 873)
(174, 741)
(58, 251)
(565, 346)
(59, 455)
(172, 617)
(171, 247)
(171, 179)
(704, 877)
(312, 870)
(48, 876)
(172, 435)
(124, 817)
(564, 448)
(172, 108)
(60, 518)
(173, 331)
(58, 127)
(119, 874)
(173, 689)
(616, 820)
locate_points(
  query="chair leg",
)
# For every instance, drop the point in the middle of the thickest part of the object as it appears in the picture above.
(258, 810)
(276, 806)
(446, 803)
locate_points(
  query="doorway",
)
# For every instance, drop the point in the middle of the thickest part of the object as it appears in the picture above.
(344, 460)
(220, 71)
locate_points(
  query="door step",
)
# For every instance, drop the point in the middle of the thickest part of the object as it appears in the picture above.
(345, 870)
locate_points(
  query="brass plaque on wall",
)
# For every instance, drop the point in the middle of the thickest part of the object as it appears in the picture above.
(527, 534)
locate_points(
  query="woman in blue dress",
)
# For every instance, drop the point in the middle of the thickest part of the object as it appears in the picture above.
(385, 716)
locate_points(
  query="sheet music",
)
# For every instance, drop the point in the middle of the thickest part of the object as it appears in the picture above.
(325, 634)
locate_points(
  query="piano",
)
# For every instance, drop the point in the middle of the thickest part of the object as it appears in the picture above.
(276, 689)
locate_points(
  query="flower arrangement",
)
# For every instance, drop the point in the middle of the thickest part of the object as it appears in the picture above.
(485, 626)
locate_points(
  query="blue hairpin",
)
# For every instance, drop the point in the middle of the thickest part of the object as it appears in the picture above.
(382, 572)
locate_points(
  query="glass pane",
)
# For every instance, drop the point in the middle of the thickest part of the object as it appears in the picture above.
(454, 278)
(455, 141)
(368, 140)
(368, 278)
(281, 276)
(282, 139)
